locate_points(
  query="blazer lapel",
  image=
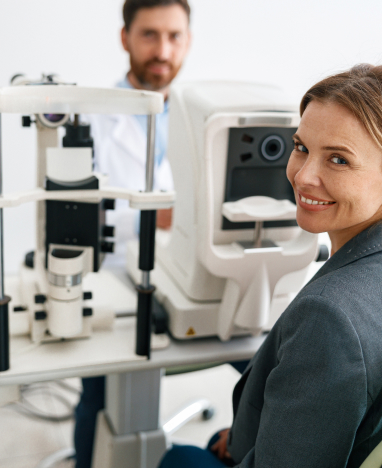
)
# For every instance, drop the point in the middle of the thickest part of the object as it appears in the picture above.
(367, 242)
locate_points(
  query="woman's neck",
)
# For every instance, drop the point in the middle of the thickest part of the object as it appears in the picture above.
(340, 237)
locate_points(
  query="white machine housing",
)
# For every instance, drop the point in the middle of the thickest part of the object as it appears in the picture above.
(211, 280)
(48, 301)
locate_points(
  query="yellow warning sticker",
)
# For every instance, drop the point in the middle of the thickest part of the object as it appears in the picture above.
(191, 332)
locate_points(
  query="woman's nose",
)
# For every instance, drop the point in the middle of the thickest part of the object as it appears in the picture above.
(309, 173)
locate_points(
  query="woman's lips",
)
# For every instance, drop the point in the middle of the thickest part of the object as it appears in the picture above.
(310, 203)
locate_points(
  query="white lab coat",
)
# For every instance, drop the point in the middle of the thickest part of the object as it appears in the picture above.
(120, 152)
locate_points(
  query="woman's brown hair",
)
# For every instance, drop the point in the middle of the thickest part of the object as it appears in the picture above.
(359, 90)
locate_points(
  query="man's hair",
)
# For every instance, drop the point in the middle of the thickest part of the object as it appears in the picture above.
(131, 7)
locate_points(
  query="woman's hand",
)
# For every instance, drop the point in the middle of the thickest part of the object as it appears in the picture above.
(220, 447)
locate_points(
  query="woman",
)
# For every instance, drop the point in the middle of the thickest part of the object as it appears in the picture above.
(312, 396)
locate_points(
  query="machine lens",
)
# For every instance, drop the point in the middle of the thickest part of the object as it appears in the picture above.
(54, 118)
(273, 148)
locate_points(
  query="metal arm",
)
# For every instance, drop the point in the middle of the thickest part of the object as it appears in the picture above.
(146, 252)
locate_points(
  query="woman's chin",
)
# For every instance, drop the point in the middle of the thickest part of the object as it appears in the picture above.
(309, 226)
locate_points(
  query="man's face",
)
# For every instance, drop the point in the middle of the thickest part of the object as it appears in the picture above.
(157, 41)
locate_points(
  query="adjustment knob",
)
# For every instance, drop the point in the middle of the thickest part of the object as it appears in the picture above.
(40, 299)
(108, 231)
(40, 315)
(87, 296)
(108, 204)
(26, 121)
(107, 247)
(87, 312)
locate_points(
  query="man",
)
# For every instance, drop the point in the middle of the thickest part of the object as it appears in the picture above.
(157, 37)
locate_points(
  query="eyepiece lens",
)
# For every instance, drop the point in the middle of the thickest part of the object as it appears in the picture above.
(273, 148)
(54, 118)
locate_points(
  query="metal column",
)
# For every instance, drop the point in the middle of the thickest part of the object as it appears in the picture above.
(146, 253)
(4, 300)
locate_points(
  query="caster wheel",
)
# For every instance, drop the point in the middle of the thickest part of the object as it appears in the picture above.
(208, 414)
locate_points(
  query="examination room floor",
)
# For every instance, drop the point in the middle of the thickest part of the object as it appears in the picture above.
(27, 440)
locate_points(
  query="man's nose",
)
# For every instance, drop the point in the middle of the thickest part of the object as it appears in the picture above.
(309, 173)
(164, 48)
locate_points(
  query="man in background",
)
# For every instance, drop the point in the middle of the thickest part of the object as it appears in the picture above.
(156, 36)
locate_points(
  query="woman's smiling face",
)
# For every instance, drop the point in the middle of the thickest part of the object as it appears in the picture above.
(336, 173)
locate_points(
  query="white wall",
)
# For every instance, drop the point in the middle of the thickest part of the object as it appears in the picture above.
(291, 43)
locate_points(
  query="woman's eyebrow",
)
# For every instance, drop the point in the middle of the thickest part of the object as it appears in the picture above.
(338, 148)
(296, 137)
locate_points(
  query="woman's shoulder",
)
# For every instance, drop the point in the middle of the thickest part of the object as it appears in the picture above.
(354, 285)
(343, 302)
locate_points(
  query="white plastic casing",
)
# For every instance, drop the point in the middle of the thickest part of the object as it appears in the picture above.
(69, 164)
(65, 298)
(65, 318)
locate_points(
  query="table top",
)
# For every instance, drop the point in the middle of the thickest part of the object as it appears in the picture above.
(112, 351)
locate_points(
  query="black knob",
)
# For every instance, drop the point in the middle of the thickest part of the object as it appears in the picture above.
(108, 204)
(41, 315)
(26, 121)
(87, 312)
(107, 247)
(40, 299)
(323, 253)
(108, 231)
(29, 259)
(19, 309)
(87, 295)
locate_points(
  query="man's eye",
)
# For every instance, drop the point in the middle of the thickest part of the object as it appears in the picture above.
(300, 147)
(338, 160)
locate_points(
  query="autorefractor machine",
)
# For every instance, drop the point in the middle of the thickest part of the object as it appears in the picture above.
(235, 256)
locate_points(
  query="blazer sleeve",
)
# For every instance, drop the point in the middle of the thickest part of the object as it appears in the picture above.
(316, 397)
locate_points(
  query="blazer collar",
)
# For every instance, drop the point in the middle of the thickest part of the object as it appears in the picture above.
(366, 243)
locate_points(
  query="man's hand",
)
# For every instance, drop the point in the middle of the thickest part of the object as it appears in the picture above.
(164, 218)
(220, 447)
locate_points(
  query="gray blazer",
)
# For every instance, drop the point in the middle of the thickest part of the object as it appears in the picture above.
(312, 395)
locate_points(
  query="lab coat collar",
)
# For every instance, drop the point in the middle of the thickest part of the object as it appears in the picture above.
(367, 242)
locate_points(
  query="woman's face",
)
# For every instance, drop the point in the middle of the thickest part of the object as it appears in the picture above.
(336, 173)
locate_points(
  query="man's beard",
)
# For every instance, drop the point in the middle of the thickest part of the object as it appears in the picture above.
(150, 80)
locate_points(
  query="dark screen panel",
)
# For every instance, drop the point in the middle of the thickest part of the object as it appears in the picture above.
(265, 181)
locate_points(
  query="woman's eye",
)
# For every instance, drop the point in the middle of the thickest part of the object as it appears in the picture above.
(300, 147)
(338, 160)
